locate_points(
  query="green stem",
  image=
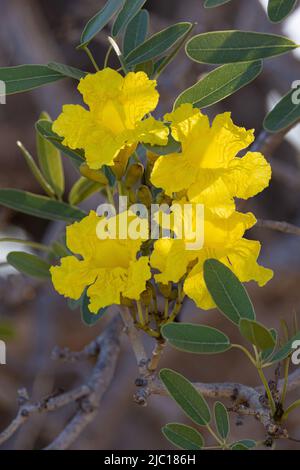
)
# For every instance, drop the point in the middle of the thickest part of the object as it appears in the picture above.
(267, 388)
(91, 57)
(245, 351)
(286, 379)
(110, 197)
(166, 311)
(107, 56)
(140, 313)
(215, 435)
(37, 246)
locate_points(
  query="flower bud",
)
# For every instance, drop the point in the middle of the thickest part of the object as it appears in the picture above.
(144, 195)
(93, 175)
(165, 289)
(134, 174)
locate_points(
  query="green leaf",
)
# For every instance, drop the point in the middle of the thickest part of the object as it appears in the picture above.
(158, 44)
(268, 353)
(97, 23)
(88, 318)
(227, 291)
(29, 264)
(186, 396)
(129, 10)
(67, 70)
(82, 189)
(284, 114)
(50, 161)
(292, 407)
(74, 304)
(280, 9)
(221, 420)
(146, 67)
(257, 334)
(220, 83)
(44, 127)
(35, 170)
(27, 77)
(171, 147)
(223, 47)
(193, 338)
(243, 444)
(39, 206)
(214, 3)
(286, 350)
(136, 32)
(183, 437)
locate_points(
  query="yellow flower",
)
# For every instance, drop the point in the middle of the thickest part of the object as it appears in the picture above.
(223, 240)
(208, 167)
(108, 267)
(114, 121)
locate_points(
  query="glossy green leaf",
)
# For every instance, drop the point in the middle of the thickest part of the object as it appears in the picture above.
(136, 32)
(214, 3)
(44, 127)
(39, 206)
(286, 349)
(35, 170)
(50, 161)
(146, 67)
(171, 147)
(243, 444)
(268, 353)
(257, 334)
(285, 112)
(221, 420)
(27, 77)
(280, 9)
(88, 318)
(227, 291)
(223, 47)
(186, 396)
(83, 189)
(193, 338)
(100, 20)
(219, 84)
(129, 10)
(29, 264)
(157, 44)
(67, 70)
(183, 437)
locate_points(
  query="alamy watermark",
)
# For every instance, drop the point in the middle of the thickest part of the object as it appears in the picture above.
(296, 354)
(180, 221)
(296, 93)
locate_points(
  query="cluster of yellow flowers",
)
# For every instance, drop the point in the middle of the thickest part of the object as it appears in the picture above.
(207, 171)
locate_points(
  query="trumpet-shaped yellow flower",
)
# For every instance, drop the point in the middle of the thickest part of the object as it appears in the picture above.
(208, 167)
(108, 267)
(114, 121)
(223, 240)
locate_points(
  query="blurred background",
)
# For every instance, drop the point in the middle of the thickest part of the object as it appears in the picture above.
(40, 31)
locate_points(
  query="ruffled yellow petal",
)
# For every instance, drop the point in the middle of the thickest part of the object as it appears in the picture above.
(81, 237)
(249, 175)
(185, 120)
(138, 273)
(150, 132)
(173, 173)
(75, 125)
(100, 87)
(107, 288)
(195, 288)
(72, 276)
(171, 258)
(139, 96)
(242, 259)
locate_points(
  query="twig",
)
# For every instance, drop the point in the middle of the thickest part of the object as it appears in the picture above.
(284, 227)
(87, 395)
